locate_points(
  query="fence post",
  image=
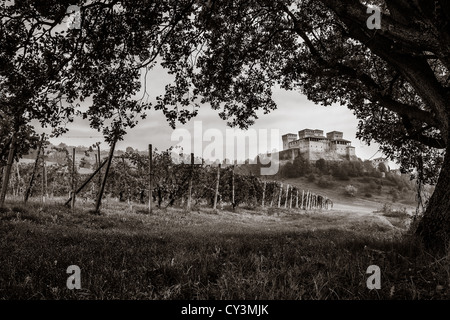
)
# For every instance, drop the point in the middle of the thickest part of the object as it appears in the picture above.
(73, 179)
(217, 186)
(102, 188)
(150, 177)
(308, 200)
(287, 197)
(279, 196)
(301, 204)
(264, 193)
(290, 202)
(232, 184)
(189, 202)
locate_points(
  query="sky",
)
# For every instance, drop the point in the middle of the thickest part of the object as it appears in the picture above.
(294, 112)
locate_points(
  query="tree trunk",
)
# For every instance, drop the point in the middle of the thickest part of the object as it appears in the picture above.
(7, 171)
(434, 226)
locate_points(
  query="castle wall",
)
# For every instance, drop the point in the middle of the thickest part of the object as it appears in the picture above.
(312, 147)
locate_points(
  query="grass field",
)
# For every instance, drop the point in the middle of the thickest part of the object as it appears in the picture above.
(271, 254)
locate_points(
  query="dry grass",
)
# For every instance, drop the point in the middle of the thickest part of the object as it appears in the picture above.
(171, 254)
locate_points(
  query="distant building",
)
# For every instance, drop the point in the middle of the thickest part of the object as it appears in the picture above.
(313, 145)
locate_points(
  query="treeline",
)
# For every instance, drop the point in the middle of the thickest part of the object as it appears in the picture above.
(341, 170)
(326, 173)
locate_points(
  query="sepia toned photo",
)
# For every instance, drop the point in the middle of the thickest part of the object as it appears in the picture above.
(225, 156)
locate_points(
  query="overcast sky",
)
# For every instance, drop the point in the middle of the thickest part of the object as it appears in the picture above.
(294, 113)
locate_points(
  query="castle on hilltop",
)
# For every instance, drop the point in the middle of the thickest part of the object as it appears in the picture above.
(313, 145)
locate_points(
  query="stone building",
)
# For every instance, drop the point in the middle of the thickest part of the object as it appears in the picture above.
(313, 145)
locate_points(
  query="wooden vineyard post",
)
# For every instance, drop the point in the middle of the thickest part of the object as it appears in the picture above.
(33, 174)
(43, 178)
(232, 185)
(87, 181)
(99, 182)
(18, 177)
(264, 194)
(73, 179)
(301, 204)
(287, 196)
(296, 201)
(216, 194)
(189, 201)
(290, 202)
(279, 196)
(102, 188)
(150, 178)
(273, 196)
(307, 200)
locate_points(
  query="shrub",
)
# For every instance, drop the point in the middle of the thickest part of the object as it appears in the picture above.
(311, 177)
(325, 182)
(350, 190)
(368, 195)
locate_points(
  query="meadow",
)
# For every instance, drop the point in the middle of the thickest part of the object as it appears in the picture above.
(269, 254)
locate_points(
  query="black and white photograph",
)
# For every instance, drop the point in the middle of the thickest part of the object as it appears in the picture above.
(218, 158)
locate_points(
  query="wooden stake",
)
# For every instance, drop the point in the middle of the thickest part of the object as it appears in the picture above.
(105, 177)
(99, 182)
(296, 201)
(216, 194)
(189, 202)
(308, 196)
(279, 197)
(232, 185)
(290, 202)
(303, 194)
(273, 196)
(150, 178)
(264, 193)
(287, 196)
(73, 179)
(43, 178)
(87, 181)
(33, 173)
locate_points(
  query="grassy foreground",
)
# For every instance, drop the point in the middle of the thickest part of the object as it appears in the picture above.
(270, 254)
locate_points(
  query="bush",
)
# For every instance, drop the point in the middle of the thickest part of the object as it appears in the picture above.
(350, 190)
(325, 182)
(368, 195)
(311, 177)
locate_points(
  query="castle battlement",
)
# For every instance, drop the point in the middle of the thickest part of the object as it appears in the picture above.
(313, 145)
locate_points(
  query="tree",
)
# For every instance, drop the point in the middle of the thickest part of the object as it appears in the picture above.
(321, 165)
(301, 166)
(382, 167)
(48, 69)
(395, 79)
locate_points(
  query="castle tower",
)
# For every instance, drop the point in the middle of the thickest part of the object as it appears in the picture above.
(288, 138)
